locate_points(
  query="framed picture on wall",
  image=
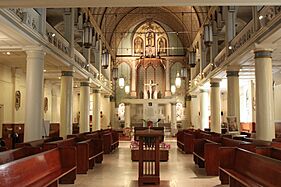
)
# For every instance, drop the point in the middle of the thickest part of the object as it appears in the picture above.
(232, 125)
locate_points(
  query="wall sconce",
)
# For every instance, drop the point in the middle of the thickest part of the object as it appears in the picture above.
(105, 59)
(208, 34)
(121, 82)
(88, 35)
(173, 89)
(192, 58)
(127, 89)
(178, 81)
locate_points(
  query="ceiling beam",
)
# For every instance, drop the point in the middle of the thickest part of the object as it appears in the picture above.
(130, 3)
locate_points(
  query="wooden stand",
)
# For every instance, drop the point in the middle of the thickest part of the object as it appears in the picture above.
(149, 141)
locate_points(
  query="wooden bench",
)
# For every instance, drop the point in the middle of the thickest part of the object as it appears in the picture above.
(206, 152)
(43, 169)
(271, 152)
(38, 143)
(115, 140)
(15, 154)
(239, 167)
(180, 142)
(83, 163)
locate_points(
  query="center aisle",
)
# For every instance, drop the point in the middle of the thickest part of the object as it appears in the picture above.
(117, 170)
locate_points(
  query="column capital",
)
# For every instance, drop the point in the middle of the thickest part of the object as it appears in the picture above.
(215, 82)
(67, 73)
(234, 73)
(188, 98)
(193, 96)
(96, 90)
(107, 96)
(263, 53)
(173, 103)
(84, 84)
(35, 53)
(203, 90)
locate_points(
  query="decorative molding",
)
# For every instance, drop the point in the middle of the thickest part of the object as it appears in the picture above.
(232, 73)
(84, 84)
(215, 84)
(67, 73)
(263, 53)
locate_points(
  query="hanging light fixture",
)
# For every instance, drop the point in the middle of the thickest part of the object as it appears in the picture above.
(208, 34)
(192, 58)
(173, 89)
(88, 35)
(115, 73)
(178, 81)
(105, 59)
(121, 82)
(184, 72)
(127, 89)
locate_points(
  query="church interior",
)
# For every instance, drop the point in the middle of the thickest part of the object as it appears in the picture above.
(146, 93)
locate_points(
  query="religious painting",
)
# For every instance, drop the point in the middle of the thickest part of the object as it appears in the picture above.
(138, 45)
(18, 100)
(150, 38)
(232, 123)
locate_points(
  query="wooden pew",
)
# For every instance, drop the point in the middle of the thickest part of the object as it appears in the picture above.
(180, 142)
(15, 154)
(271, 152)
(38, 143)
(240, 167)
(115, 140)
(43, 169)
(84, 159)
(206, 152)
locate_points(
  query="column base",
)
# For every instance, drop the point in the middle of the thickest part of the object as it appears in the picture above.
(168, 93)
(133, 94)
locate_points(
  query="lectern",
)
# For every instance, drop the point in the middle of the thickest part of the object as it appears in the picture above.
(149, 156)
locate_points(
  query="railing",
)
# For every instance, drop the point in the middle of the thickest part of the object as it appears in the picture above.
(241, 38)
(28, 16)
(57, 39)
(219, 59)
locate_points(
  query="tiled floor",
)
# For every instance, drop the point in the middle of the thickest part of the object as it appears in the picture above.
(117, 170)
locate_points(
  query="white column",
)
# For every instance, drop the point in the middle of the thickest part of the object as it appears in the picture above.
(127, 115)
(253, 99)
(34, 95)
(188, 112)
(134, 80)
(173, 118)
(230, 23)
(194, 112)
(66, 103)
(96, 110)
(113, 116)
(215, 106)
(167, 77)
(204, 109)
(168, 112)
(233, 95)
(84, 123)
(263, 66)
(55, 105)
(69, 28)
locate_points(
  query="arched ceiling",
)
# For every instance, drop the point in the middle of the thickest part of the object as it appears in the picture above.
(184, 20)
(115, 21)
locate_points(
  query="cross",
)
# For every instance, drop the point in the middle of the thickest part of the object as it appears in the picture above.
(150, 85)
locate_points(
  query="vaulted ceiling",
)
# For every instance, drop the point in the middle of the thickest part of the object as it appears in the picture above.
(115, 21)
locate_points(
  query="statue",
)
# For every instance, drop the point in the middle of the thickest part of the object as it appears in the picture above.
(162, 45)
(150, 91)
(138, 45)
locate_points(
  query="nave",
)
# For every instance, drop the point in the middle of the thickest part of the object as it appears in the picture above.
(117, 170)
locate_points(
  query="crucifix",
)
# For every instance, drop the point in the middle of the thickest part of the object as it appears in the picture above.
(150, 85)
